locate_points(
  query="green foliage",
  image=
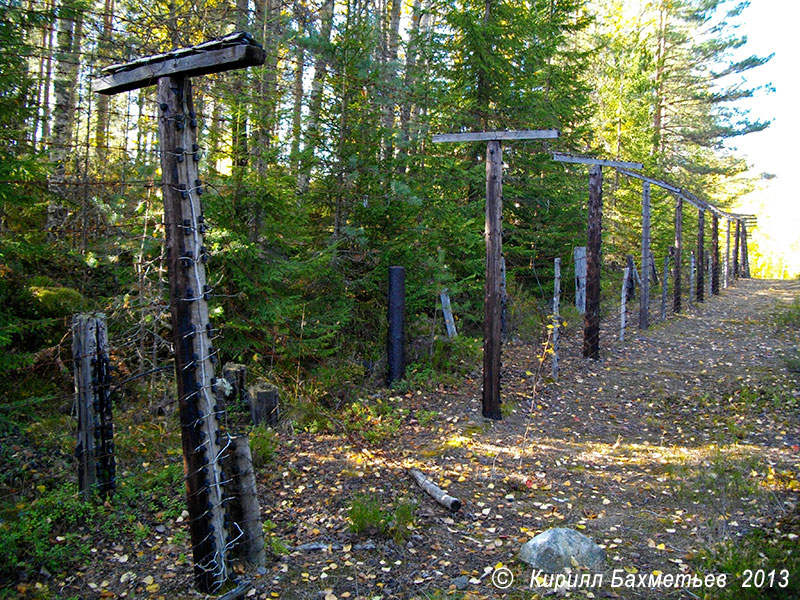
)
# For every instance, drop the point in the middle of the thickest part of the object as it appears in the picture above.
(426, 417)
(788, 316)
(375, 421)
(263, 445)
(367, 516)
(47, 531)
(275, 545)
(759, 550)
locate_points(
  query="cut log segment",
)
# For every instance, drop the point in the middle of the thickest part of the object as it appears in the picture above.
(434, 491)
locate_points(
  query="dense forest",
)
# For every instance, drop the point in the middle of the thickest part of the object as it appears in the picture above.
(319, 168)
(319, 173)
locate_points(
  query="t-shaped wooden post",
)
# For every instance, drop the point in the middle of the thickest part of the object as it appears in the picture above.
(493, 296)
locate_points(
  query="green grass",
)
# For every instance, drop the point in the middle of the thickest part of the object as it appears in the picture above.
(788, 315)
(263, 445)
(368, 517)
(756, 551)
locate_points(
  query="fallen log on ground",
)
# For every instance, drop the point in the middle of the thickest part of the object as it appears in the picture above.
(434, 491)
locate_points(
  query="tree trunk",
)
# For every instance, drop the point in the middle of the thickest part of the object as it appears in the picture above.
(70, 27)
(322, 57)
(101, 125)
(297, 94)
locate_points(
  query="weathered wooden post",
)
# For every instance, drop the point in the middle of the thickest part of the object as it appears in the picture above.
(396, 335)
(492, 300)
(714, 254)
(579, 260)
(95, 445)
(623, 308)
(736, 243)
(677, 255)
(692, 268)
(503, 301)
(665, 286)
(644, 292)
(556, 317)
(591, 319)
(236, 377)
(701, 281)
(726, 281)
(745, 259)
(449, 322)
(633, 278)
(195, 356)
(648, 260)
(265, 401)
(247, 541)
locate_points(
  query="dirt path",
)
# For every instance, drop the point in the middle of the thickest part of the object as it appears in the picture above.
(679, 438)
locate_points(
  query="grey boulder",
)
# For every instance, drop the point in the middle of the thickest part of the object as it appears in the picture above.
(555, 550)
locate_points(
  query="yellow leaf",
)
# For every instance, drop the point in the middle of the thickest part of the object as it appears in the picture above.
(661, 547)
(152, 588)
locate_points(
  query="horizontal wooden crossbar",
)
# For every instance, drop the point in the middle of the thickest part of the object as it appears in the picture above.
(201, 63)
(490, 136)
(651, 181)
(582, 160)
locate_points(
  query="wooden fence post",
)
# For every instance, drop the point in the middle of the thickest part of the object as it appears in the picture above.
(556, 317)
(247, 537)
(503, 301)
(745, 259)
(579, 260)
(449, 322)
(701, 281)
(664, 286)
(236, 377)
(678, 254)
(623, 308)
(692, 269)
(644, 298)
(492, 299)
(653, 270)
(396, 335)
(736, 244)
(714, 254)
(264, 404)
(95, 444)
(591, 320)
(727, 279)
(195, 355)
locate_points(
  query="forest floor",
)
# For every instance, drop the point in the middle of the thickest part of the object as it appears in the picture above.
(678, 452)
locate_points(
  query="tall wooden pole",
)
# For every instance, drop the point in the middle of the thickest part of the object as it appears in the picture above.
(194, 352)
(665, 287)
(493, 294)
(745, 260)
(714, 254)
(396, 333)
(678, 250)
(579, 260)
(644, 299)
(692, 271)
(556, 317)
(623, 305)
(591, 320)
(727, 280)
(736, 243)
(701, 225)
